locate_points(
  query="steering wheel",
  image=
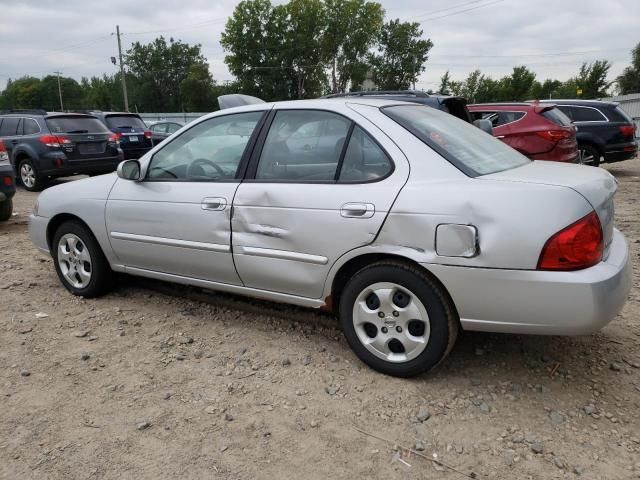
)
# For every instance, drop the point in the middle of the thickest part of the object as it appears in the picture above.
(198, 163)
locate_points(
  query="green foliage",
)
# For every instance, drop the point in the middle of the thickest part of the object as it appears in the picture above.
(401, 55)
(629, 81)
(592, 79)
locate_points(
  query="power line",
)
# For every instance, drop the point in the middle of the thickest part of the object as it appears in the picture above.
(423, 14)
(460, 11)
(184, 27)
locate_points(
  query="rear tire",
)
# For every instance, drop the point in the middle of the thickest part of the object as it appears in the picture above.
(29, 177)
(80, 264)
(6, 209)
(588, 155)
(397, 319)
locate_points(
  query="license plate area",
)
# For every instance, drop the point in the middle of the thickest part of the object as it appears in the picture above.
(91, 148)
(134, 138)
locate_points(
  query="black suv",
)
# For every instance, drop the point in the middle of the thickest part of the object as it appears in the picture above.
(43, 145)
(456, 106)
(133, 134)
(7, 185)
(605, 131)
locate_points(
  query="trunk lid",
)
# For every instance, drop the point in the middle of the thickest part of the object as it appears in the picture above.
(82, 137)
(596, 185)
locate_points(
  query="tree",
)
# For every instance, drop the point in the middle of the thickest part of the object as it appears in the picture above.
(592, 79)
(445, 83)
(401, 55)
(352, 27)
(159, 69)
(546, 89)
(517, 86)
(629, 80)
(22, 93)
(197, 90)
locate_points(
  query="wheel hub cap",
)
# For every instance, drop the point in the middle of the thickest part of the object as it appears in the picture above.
(391, 322)
(74, 261)
(27, 175)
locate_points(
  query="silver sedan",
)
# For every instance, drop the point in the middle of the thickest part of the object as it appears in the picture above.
(406, 222)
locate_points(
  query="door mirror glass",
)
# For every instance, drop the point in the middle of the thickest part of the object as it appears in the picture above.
(129, 170)
(484, 125)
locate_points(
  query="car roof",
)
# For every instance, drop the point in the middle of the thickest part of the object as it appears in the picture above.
(574, 101)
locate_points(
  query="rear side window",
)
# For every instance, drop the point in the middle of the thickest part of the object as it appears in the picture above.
(30, 126)
(556, 116)
(364, 160)
(9, 126)
(468, 148)
(509, 117)
(75, 124)
(621, 115)
(124, 121)
(587, 114)
(303, 145)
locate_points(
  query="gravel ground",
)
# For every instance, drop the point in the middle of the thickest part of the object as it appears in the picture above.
(157, 381)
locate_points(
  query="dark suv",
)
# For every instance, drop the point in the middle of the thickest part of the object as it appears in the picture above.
(43, 145)
(605, 131)
(133, 134)
(7, 185)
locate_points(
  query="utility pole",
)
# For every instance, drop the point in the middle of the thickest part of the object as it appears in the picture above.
(60, 91)
(124, 83)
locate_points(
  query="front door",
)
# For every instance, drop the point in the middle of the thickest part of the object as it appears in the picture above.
(177, 220)
(320, 186)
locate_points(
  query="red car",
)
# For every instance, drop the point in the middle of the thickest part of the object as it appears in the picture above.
(539, 131)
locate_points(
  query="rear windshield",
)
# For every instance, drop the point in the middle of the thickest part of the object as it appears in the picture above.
(467, 147)
(556, 116)
(622, 115)
(124, 121)
(75, 125)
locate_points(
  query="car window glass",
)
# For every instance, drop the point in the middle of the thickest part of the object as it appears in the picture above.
(303, 145)
(586, 114)
(124, 122)
(509, 117)
(172, 127)
(30, 126)
(364, 160)
(158, 127)
(75, 124)
(19, 129)
(9, 126)
(566, 110)
(209, 151)
(463, 145)
(556, 116)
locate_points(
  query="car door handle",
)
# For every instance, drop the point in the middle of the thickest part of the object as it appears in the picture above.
(357, 210)
(214, 203)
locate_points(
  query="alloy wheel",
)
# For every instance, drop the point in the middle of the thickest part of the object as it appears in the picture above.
(27, 175)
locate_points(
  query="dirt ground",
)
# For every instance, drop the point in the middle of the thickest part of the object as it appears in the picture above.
(159, 381)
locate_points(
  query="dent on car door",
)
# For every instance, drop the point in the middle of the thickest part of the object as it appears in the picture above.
(177, 220)
(297, 214)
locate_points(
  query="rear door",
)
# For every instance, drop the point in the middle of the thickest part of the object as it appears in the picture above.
(318, 186)
(82, 137)
(9, 133)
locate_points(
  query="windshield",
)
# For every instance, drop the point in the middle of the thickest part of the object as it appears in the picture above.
(556, 116)
(75, 125)
(124, 121)
(467, 147)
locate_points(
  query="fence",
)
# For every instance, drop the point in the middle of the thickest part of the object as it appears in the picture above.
(182, 117)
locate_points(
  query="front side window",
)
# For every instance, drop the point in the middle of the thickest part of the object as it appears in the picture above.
(173, 127)
(209, 151)
(303, 145)
(465, 146)
(9, 126)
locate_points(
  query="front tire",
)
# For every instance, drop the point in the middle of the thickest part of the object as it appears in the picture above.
(6, 209)
(29, 177)
(80, 264)
(588, 155)
(397, 319)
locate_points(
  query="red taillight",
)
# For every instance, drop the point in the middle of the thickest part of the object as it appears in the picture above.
(580, 245)
(627, 130)
(147, 134)
(54, 140)
(7, 180)
(4, 156)
(554, 135)
(115, 137)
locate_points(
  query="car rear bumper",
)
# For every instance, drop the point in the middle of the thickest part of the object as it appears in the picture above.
(77, 167)
(38, 232)
(621, 152)
(540, 302)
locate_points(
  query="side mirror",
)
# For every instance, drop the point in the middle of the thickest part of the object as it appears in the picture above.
(484, 125)
(129, 170)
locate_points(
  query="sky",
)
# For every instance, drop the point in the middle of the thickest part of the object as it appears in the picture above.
(551, 37)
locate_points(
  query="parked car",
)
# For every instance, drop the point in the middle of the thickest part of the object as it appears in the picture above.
(163, 129)
(456, 106)
(7, 185)
(605, 132)
(42, 145)
(541, 132)
(415, 225)
(131, 131)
